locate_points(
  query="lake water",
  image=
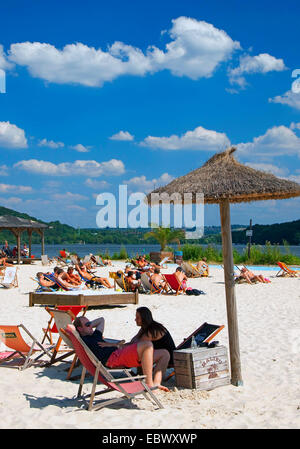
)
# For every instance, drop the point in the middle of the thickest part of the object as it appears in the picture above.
(132, 250)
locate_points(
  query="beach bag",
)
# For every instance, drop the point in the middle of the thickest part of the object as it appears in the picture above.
(194, 291)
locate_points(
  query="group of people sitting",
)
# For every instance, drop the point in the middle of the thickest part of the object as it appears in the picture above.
(153, 344)
(6, 251)
(134, 283)
(70, 280)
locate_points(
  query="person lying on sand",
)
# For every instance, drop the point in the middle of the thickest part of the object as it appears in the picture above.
(249, 276)
(114, 355)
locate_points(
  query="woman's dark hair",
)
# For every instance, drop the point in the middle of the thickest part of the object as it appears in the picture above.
(149, 326)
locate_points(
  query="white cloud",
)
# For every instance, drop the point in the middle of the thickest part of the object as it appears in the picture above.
(199, 139)
(290, 98)
(277, 141)
(96, 184)
(69, 197)
(122, 135)
(294, 125)
(4, 63)
(10, 202)
(3, 170)
(262, 63)
(11, 136)
(196, 49)
(85, 168)
(50, 144)
(147, 185)
(7, 188)
(80, 148)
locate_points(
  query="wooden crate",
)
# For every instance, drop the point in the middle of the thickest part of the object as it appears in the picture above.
(202, 368)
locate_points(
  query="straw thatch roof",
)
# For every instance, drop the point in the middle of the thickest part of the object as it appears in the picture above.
(223, 177)
(11, 221)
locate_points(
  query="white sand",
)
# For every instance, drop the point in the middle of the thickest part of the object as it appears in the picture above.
(270, 351)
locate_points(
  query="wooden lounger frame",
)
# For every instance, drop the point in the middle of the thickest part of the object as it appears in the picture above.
(82, 300)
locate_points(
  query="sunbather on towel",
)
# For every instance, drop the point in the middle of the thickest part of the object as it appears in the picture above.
(90, 277)
(181, 276)
(153, 331)
(115, 355)
(249, 276)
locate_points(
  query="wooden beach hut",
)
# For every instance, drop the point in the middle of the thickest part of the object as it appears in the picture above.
(18, 225)
(223, 180)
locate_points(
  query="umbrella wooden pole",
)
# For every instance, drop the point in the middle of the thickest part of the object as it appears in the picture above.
(235, 362)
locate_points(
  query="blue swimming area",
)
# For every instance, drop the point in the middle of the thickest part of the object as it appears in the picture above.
(132, 250)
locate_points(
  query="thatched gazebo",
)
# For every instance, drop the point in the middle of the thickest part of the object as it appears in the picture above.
(18, 225)
(223, 180)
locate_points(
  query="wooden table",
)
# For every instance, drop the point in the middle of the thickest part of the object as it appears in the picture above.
(81, 299)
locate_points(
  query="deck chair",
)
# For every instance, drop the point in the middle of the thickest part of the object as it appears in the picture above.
(51, 328)
(191, 271)
(121, 282)
(286, 271)
(10, 279)
(148, 286)
(172, 284)
(129, 386)
(12, 338)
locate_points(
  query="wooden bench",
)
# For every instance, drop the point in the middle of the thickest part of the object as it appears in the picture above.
(81, 299)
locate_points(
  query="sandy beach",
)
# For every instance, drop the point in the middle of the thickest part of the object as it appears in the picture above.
(269, 330)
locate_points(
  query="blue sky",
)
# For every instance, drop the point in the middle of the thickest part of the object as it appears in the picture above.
(100, 94)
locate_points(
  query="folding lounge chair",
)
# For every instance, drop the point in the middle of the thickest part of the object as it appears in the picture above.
(148, 286)
(191, 271)
(71, 310)
(172, 284)
(286, 271)
(12, 338)
(129, 386)
(10, 279)
(121, 282)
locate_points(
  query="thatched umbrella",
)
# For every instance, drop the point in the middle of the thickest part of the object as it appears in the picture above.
(223, 180)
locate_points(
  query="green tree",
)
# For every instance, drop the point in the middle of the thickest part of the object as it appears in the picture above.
(164, 236)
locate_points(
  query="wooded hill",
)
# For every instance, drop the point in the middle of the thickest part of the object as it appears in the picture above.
(58, 233)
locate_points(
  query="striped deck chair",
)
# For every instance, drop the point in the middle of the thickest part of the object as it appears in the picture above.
(148, 286)
(172, 284)
(191, 271)
(10, 279)
(129, 386)
(13, 339)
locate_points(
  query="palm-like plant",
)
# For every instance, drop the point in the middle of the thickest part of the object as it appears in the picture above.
(164, 236)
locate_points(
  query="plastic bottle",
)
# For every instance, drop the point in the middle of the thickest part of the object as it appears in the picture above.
(193, 343)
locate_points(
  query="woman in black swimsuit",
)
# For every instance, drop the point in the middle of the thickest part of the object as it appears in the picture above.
(153, 331)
